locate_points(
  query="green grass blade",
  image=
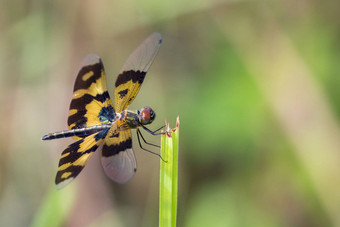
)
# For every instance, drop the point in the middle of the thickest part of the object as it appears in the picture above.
(169, 177)
(175, 141)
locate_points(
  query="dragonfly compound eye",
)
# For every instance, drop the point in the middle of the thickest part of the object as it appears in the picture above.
(147, 115)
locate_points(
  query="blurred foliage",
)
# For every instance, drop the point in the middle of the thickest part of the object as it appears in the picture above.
(256, 86)
(55, 208)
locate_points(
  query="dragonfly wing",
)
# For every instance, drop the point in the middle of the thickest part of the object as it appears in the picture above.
(91, 104)
(118, 159)
(134, 70)
(75, 156)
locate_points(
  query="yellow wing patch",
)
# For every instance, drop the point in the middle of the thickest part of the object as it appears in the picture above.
(91, 104)
(75, 156)
(126, 88)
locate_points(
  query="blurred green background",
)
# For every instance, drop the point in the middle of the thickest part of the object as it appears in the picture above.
(256, 85)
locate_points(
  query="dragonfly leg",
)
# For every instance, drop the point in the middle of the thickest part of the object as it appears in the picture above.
(151, 144)
(140, 144)
(153, 132)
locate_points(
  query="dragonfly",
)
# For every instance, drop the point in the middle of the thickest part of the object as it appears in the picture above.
(94, 121)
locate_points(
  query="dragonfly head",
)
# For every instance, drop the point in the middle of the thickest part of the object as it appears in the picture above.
(146, 115)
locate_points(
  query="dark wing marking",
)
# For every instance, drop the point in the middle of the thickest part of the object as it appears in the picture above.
(134, 70)
(91, 104)
(75, 156)
(118, 159)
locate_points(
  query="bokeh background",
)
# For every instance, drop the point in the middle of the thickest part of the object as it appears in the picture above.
(256, 85)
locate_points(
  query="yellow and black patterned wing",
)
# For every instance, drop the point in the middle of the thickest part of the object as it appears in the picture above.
(134, 70)
(91, 104)
(75, 156)
(118, 159)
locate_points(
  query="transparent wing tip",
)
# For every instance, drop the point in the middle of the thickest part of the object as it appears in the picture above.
(62, 184)
(156, 36)
(91, 59)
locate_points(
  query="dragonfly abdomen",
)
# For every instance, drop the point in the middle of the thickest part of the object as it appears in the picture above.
(76, 132)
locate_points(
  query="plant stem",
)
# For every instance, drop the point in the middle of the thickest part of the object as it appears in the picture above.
(169, 177)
